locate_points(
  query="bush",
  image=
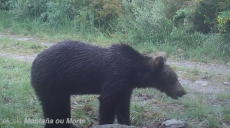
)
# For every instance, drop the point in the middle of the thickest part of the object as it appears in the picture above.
(4, 4)
(27, 8)
(145, 21)
(57, 13)
(205, 15)
(224, 21)
(106, 13)
(102, 14)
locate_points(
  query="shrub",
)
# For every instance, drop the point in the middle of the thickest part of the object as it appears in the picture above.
(57, 13)
(146, 22)
(106, 13)
(4, 4)
(224, 21)
(205, 15)
(27, 8)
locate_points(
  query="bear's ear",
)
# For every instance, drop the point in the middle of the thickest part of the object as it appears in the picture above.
(159, 62)
(163, 54)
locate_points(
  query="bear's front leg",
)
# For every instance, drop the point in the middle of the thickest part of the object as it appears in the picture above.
(123, 108)
(115, 98)
(106, 111)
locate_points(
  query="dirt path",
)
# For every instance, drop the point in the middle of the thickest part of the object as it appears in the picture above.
(31, 39)
(28, 58)
(202, 84)
(199, 85)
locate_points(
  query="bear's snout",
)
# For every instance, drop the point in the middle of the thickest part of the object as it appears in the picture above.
(181, 93)
(177, 91)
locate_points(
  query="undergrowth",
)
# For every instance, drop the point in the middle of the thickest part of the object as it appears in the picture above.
(176, 42)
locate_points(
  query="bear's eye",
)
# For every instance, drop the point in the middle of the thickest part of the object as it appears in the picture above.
(172, 79)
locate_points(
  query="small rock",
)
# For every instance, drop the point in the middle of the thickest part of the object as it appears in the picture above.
(225, 83)
(179, 50)
(173, 123)
(23, 39)
(112, 126)
(203, 83)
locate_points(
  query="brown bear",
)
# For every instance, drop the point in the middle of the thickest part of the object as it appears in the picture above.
(76, 68)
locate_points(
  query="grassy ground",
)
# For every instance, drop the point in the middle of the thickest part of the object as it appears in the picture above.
(13, 46)
(17, 97)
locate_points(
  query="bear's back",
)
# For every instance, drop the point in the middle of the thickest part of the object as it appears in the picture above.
(76, 63)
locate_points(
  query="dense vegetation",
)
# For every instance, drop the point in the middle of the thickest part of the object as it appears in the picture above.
(195, 29)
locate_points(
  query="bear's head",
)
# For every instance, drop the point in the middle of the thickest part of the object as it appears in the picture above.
(163, 77)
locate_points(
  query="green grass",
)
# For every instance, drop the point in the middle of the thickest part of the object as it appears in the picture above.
(223, 96)
(226, 114)
(17, 97)
(14, 46)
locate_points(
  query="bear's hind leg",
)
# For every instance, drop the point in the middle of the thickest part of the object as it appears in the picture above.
(56, 108)
(106, 111)
(123, 109)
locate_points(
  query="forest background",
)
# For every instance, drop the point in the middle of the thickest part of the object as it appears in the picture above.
(189, 29)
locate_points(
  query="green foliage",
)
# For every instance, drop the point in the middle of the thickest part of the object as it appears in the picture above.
(190, 25)
(224, 21)
(149, 24)
(4, 4)
(84, 14)
(223, 44)
(185, 40)
(106, 13)
(205, 15)
(56, 12)
(27, 8)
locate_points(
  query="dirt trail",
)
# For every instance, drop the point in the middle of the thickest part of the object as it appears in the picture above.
(201, 86)
(28, 58)
(211, 67)
(31, 39)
